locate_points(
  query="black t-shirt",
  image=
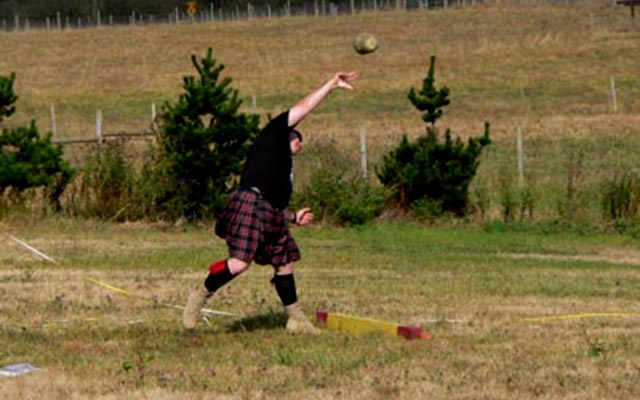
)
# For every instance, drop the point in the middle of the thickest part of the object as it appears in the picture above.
(268, 165)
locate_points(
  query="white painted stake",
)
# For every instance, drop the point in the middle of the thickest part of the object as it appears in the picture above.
(33, 250)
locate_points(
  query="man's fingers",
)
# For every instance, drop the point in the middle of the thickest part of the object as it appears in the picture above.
(304, 216)
(344, 85)
(349, 76)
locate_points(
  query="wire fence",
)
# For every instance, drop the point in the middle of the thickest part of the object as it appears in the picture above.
(215, 13)
(519, 179)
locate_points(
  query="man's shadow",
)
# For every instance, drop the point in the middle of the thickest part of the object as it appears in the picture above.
(270, 320)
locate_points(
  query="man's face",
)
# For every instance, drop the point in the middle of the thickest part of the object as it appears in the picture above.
(296, 146)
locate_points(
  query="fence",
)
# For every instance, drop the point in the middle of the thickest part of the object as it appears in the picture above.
(212, 13)
(99, 136)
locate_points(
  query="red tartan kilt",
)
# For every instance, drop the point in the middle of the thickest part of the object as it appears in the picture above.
(255, 231)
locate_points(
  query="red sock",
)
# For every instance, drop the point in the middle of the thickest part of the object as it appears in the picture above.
(219, 275)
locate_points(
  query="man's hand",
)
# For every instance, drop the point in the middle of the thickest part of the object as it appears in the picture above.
(304, 216)
(341, 79)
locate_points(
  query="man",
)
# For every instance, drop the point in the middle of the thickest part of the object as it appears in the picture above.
(254, 221)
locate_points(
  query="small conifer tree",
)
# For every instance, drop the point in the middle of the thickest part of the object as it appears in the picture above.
(431, 171)
(7, 96)
(28, 160)
(203, 140)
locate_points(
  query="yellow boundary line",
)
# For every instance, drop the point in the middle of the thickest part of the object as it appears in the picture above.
(209, 311)
(128, 293)
(580, 316)
(109, 286)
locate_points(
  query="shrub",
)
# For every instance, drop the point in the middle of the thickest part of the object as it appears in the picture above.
(620, 196)
(335, 190)
(109, 183)
(7, 96)
(202, 142)
(432, 171)
(27, 160)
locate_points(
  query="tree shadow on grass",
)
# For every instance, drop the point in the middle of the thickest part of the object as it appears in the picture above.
(270, 320)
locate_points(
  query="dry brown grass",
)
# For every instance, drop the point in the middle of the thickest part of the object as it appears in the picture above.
(94, 343)
(559, 57)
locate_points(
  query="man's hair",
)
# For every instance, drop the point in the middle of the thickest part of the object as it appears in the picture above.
(295, 134)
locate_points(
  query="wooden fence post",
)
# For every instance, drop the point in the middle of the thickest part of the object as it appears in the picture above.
(614, 97)
(363, 152)
(520, 152)
(99, 128)
(54, 129)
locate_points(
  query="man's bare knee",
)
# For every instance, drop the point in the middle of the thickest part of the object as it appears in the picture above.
(284, 269)
(237, 266)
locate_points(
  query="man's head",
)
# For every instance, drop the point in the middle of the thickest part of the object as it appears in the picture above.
(295, 141)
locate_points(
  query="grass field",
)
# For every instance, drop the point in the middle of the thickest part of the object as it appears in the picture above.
(513, 315)
(95, 343)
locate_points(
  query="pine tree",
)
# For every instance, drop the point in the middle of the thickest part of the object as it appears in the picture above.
(429, 171)
(7, 96)
(28, 160)
(203, 140)
(429, 99)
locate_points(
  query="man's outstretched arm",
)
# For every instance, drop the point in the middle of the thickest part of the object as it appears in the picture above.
(341, 80)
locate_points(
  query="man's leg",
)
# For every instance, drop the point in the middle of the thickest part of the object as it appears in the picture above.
(220, 273)
(286, 288)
